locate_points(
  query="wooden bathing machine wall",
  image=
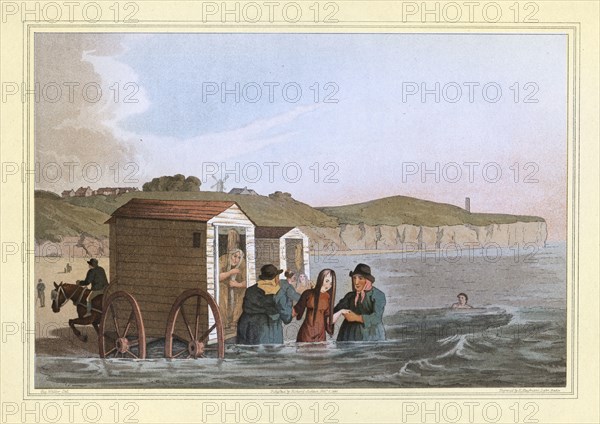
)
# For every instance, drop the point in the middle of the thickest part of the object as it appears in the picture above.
(160, 248)
(271, 247)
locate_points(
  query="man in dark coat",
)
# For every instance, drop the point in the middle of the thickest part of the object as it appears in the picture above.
(265, 307)
(96, 276)
(41, 287)
(364, 305)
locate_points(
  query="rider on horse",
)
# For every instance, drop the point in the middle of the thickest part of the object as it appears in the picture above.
(97, 278)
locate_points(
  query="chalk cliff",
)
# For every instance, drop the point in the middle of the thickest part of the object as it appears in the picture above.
(79, 230)
(411, 237)
(358, 237)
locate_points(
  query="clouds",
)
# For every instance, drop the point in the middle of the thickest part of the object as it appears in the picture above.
(83, 134)
(189, 153)
(152, 112)
(76, 132)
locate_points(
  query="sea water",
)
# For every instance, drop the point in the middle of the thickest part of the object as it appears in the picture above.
(515, 335)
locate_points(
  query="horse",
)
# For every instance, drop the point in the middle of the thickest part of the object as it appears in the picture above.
(64, 292)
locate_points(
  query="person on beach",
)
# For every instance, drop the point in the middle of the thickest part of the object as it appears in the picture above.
(462, 302)
(318, 304)
(96, 277)
(362, 309)
(41, 296)
(232, 286)
(264, 309)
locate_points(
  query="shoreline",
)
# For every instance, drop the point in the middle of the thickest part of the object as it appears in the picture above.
(409, 251)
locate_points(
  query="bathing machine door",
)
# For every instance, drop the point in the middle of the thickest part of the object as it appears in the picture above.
(231, 259)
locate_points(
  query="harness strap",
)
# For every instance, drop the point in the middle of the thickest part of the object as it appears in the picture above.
(62, 290)
(80, 296)
(76, 303)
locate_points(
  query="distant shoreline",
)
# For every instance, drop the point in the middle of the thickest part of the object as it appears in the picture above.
(327, 253)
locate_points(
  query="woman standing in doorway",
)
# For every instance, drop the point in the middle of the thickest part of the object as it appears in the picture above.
(232, 286)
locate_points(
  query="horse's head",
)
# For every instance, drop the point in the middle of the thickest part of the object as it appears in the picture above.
(60, 295)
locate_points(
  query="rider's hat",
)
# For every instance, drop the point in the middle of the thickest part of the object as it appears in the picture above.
(93, 262)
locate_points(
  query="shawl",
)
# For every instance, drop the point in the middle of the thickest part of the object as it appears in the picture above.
(268, 286)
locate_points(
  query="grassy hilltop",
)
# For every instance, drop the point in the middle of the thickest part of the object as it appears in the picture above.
(56, 217)
(397, 210)
(263, 210)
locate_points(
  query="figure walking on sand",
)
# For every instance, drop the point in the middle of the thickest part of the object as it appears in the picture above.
(318, 303)
(41, 296)
(362, 309)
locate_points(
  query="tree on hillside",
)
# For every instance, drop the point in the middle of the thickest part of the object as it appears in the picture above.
(280, 195)
(177, 182)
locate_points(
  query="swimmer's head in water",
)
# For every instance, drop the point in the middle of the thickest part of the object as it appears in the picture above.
(462, 298)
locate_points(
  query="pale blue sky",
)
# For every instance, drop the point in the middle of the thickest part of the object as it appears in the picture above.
(370, 132)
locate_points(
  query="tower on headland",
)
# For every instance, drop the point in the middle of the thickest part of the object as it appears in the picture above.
(468, 204)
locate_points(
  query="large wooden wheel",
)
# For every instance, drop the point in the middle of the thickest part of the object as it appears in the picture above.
(121, 332)
(188, 327)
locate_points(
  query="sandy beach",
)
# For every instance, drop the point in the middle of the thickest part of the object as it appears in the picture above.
(53, 337)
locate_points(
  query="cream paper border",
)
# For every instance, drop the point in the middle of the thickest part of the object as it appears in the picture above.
(578, 402)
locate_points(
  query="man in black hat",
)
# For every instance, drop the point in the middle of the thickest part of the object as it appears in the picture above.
(362, 309)
(41, 287)
(265, 307)
(96, 276)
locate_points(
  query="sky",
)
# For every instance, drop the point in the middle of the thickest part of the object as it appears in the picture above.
(331, 118)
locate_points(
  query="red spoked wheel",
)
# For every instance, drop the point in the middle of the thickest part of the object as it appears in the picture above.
(122, 333)
(188, 329)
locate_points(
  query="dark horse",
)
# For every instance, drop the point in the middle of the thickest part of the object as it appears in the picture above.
(64, 292)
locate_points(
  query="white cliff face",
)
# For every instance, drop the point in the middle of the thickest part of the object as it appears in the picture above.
(324, 238)
(360, 237)
(461, 235)
(411, 237)
(519, 233)
(409, 234)
(427, 238)
(389, 238)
